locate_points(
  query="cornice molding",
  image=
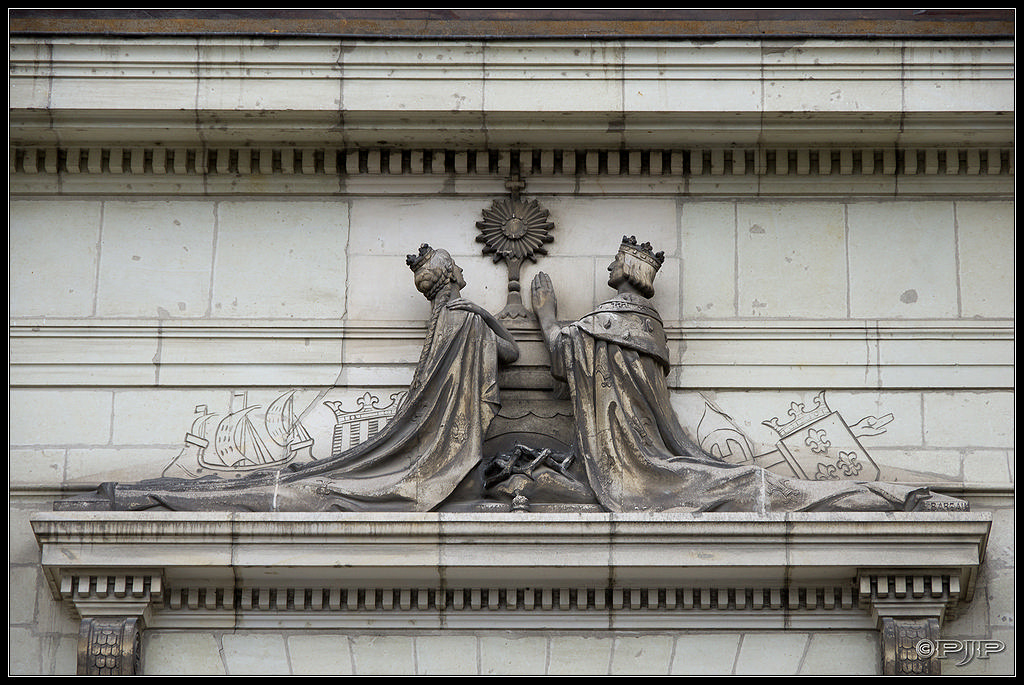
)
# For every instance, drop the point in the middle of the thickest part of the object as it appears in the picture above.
(534, 571)
(575, 95)
(251, 58)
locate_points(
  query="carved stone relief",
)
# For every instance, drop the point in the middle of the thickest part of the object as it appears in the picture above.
(608, 436)
(110, 645)
(295, 427)
(514, 230)
(900, 640)
(816, 444)
(601, 435)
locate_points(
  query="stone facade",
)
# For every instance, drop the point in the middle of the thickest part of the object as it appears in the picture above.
(199, 222)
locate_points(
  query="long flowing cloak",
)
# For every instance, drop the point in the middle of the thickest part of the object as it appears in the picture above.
(432, 443)
(638, 457)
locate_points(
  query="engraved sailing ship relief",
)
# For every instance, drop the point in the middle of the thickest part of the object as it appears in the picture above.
(245, 439)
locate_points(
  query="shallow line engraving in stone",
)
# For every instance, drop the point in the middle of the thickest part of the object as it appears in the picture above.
(240, 441)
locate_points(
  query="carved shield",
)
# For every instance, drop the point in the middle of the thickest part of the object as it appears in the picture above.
(828, 450)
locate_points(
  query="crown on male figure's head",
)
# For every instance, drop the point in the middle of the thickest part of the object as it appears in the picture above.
(415, 261)
(643, 251)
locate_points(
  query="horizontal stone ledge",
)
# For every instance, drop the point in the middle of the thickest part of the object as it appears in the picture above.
(957, 343)
(508, 550)
(556, 571)
(271, 57)
(477, 65)
(739, 375)
(762, 354)
(572, 571)
(987, 494)
(802, 329)
(691, 377)
(746, 354)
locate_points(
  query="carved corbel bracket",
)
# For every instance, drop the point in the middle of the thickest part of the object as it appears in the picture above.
(909, 608)
(114, 610)
(110, 645)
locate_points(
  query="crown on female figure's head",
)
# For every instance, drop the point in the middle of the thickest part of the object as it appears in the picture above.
(643, 251)
(415, 261)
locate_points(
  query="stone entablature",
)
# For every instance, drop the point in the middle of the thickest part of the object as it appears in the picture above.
(319, 115)
(548, 95)
(584, 571)
(216, 568)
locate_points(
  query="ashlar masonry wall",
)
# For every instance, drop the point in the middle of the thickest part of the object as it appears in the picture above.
(154, 279)
(768, 295)
(78, 429)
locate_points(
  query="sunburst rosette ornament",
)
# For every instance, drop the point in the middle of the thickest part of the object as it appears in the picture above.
(514, 230)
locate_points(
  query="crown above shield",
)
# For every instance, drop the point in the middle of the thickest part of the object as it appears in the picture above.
(802, 416)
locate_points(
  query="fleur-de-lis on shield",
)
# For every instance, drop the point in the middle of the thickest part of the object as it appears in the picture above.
(816, 441)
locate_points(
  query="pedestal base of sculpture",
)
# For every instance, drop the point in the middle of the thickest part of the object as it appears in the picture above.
(529, 461)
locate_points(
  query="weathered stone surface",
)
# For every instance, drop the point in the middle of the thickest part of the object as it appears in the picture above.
(183, 653)
(101, 124)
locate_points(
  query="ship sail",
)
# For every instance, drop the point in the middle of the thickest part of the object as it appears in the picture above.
(284, 427)
(249, 443)
(243, 439)
(197, 435)
(238, 444)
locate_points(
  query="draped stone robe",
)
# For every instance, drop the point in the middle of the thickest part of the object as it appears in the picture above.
(638, 457)
(432, 443)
